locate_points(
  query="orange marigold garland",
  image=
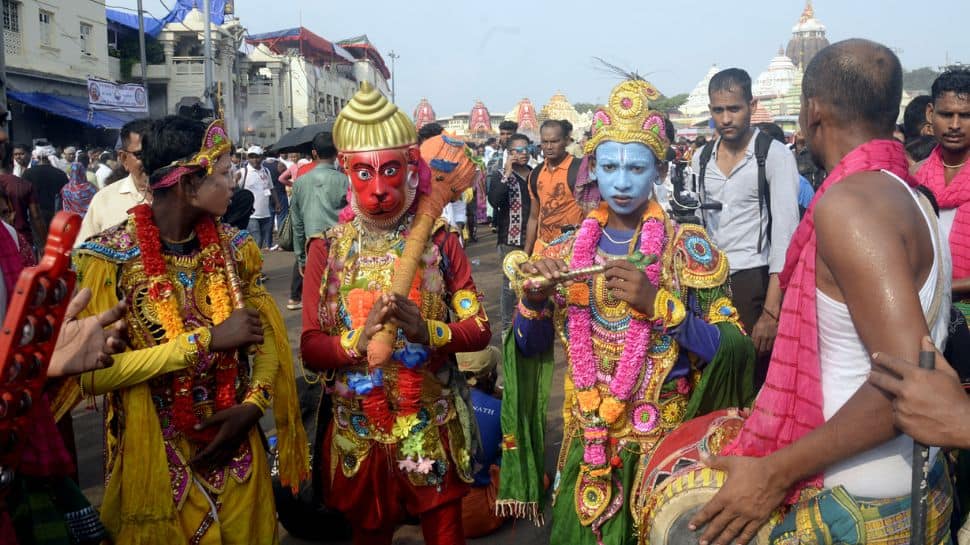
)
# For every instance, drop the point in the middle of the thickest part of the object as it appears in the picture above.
(161, 293)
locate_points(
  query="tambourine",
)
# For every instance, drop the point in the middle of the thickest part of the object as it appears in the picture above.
(677, 485)
(34, 316)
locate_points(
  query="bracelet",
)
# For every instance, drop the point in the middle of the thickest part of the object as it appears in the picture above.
(530, 314)
(764, 310)
(260, 395)
(348, 341)
(439, 334)
(667, 309)
(194, 343)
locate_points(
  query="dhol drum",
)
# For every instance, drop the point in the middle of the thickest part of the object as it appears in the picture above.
(677, 485)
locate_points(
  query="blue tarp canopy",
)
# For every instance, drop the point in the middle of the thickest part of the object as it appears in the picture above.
(152, 26)
(75, 108)
(217, 10)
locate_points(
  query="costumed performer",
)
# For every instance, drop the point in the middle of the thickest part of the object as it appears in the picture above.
(184, 460)
(650, 342)
(402, 433)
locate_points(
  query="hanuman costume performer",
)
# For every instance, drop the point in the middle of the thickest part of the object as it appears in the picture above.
(184, 459)
(402, 430)
(648, 341)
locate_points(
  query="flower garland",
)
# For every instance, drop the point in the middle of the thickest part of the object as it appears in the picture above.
(161, 293)
(637, 342)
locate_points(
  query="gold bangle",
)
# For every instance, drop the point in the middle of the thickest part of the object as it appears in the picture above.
(668, 309)
(349, 340)
(530, 314)
(439, 333)
(260, 395)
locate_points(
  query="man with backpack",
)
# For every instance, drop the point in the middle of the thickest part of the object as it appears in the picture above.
(756, 181)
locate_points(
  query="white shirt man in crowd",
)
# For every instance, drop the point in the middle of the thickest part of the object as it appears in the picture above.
(254, 177)
(756, 251)
(110, 205)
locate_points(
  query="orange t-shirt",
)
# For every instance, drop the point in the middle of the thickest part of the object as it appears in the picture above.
(557, 206)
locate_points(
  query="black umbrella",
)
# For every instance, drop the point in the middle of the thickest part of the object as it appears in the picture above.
(301, 137)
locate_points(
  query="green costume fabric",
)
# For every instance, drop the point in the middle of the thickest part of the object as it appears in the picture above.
(527, 383)
(728, 381)
(618, 530)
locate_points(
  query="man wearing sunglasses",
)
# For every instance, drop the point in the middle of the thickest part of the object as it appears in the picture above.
(110, 204)
(508, 193)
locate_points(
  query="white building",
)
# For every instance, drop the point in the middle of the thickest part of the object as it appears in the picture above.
(698, 99)
(51, 47)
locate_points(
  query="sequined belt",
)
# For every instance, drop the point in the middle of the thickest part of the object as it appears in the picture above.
(350, 416)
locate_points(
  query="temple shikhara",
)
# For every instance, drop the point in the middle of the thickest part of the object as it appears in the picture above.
(423, 114)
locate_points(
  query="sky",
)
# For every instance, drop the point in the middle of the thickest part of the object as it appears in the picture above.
(459, 51)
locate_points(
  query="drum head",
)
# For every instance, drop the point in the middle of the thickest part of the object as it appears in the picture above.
(679, 499)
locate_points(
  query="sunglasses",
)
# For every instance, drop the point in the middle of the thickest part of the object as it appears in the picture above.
(520, 149)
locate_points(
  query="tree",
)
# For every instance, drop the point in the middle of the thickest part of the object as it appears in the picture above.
(666, 104)
(583, 107)
(920, 79)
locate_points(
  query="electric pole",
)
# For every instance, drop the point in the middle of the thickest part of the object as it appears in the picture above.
(207, 66)
(141, 47)
(394, 56)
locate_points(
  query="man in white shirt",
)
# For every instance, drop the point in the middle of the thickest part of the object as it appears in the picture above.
(110, 205)
(103, 172)
(21, 159)
(753, 228)
(254, 177)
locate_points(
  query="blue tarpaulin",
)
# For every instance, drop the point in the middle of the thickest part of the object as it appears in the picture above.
(75, 108)
(153, 26)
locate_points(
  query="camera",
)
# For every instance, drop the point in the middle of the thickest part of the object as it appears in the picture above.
(685, 204)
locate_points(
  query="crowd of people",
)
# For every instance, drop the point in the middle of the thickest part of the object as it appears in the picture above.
(741, 317)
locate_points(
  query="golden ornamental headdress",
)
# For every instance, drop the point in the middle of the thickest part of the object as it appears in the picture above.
(215, 144)
(627, 118)
(370, 122)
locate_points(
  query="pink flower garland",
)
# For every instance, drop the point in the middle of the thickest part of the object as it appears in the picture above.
(634, 357)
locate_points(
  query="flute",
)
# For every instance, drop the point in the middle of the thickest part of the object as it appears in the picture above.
(235, 283)
(512, 264)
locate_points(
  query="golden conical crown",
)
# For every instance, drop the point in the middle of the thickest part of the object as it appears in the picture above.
(370, 122)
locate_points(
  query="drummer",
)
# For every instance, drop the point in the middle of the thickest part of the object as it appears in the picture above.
(651, 341)
(866, 274)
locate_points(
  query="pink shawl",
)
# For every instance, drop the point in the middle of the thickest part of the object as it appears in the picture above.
(956, 195)
(790, 403)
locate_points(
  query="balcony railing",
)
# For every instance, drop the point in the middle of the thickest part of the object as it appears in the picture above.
(12, 42)
(185, 66)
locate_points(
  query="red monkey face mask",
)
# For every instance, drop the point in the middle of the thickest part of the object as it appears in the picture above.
(383, 181)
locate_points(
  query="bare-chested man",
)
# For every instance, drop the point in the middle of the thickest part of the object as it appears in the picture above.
(867, 267)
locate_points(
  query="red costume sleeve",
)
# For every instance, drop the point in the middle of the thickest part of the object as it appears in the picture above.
(473, 333)
(320, 350)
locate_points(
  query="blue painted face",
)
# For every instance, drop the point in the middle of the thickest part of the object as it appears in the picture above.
(626, 174)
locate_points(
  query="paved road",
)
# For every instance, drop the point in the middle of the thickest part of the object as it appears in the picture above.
(278, 266)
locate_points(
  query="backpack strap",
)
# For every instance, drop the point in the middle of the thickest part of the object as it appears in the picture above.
(762, 145)
(534, 180)
(705, 158)
(571, 175)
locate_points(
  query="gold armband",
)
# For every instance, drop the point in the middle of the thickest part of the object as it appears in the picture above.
(465, 304)
(439, 334)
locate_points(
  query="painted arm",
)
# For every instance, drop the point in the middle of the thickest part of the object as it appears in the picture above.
(320, 351)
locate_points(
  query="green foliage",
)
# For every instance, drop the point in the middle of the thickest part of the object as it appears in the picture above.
(920, 79)
(583, 107)
(130, 55)
(666, 104)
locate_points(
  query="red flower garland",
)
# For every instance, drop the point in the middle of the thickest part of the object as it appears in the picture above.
(227, 370)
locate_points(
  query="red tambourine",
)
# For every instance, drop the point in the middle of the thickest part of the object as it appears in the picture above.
(35, 313)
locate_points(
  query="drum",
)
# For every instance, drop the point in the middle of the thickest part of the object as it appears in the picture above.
(676, 486)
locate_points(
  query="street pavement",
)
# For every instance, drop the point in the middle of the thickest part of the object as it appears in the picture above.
(278, 267)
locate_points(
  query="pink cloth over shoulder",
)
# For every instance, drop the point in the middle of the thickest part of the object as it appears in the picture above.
(932, 176)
